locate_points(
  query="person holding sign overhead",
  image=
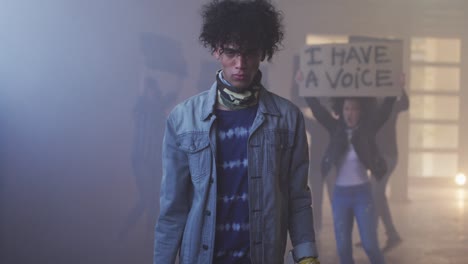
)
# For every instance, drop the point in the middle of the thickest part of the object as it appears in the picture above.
(353, 75)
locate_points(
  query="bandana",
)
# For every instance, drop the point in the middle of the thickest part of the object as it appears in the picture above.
(233, 98)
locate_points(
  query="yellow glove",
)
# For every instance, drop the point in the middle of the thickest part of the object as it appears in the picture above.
(309, 260)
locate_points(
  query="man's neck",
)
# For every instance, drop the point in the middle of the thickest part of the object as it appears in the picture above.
(234, 100)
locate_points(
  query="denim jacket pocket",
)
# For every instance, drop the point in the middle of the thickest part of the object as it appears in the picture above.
(196, 145)
(279, 146)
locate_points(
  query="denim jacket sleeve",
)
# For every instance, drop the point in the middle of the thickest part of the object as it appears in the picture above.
(174, 200)
(301, 227)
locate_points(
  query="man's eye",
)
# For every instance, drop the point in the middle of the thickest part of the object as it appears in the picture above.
(230, 53)
(252, 53)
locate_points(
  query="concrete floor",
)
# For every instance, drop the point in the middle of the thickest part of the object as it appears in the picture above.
(433, 225)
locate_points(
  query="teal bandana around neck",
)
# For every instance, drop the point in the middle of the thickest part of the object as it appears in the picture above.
(232, 98)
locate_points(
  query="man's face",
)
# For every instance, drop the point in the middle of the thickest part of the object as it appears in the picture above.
(351, 112)
(239, 68)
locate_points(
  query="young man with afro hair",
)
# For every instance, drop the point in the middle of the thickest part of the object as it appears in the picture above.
(235, 157)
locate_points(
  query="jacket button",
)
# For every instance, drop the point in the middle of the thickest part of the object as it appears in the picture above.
(205, 247)
(207, 212)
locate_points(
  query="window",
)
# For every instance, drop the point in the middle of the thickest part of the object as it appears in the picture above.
(325, 39)
(434, 107)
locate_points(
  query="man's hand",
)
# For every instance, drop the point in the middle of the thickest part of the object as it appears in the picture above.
(309, 260)
(299, 77)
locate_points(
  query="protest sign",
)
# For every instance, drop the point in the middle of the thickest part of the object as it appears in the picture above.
(355, 69)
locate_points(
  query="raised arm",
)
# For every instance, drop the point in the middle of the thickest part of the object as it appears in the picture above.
(322, 115)
(402, 104)
(383, 112)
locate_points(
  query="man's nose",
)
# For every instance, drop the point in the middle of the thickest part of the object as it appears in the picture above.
(241, 61)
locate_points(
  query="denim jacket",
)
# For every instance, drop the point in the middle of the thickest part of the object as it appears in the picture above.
(279, 198)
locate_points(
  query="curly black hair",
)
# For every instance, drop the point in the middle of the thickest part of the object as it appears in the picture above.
(247, 24)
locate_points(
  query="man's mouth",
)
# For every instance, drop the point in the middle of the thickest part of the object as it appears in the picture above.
(239, 77)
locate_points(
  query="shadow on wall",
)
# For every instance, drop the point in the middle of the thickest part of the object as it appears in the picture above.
(3, 128)
(160, 55)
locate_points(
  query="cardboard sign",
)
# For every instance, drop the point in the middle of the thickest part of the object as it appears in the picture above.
(357, 69)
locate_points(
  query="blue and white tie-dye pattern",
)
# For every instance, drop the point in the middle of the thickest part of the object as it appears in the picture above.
(232, 218)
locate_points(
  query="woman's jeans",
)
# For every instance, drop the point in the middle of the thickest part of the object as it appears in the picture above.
(350, 202)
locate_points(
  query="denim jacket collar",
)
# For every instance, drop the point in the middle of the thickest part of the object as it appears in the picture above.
(266, 105)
